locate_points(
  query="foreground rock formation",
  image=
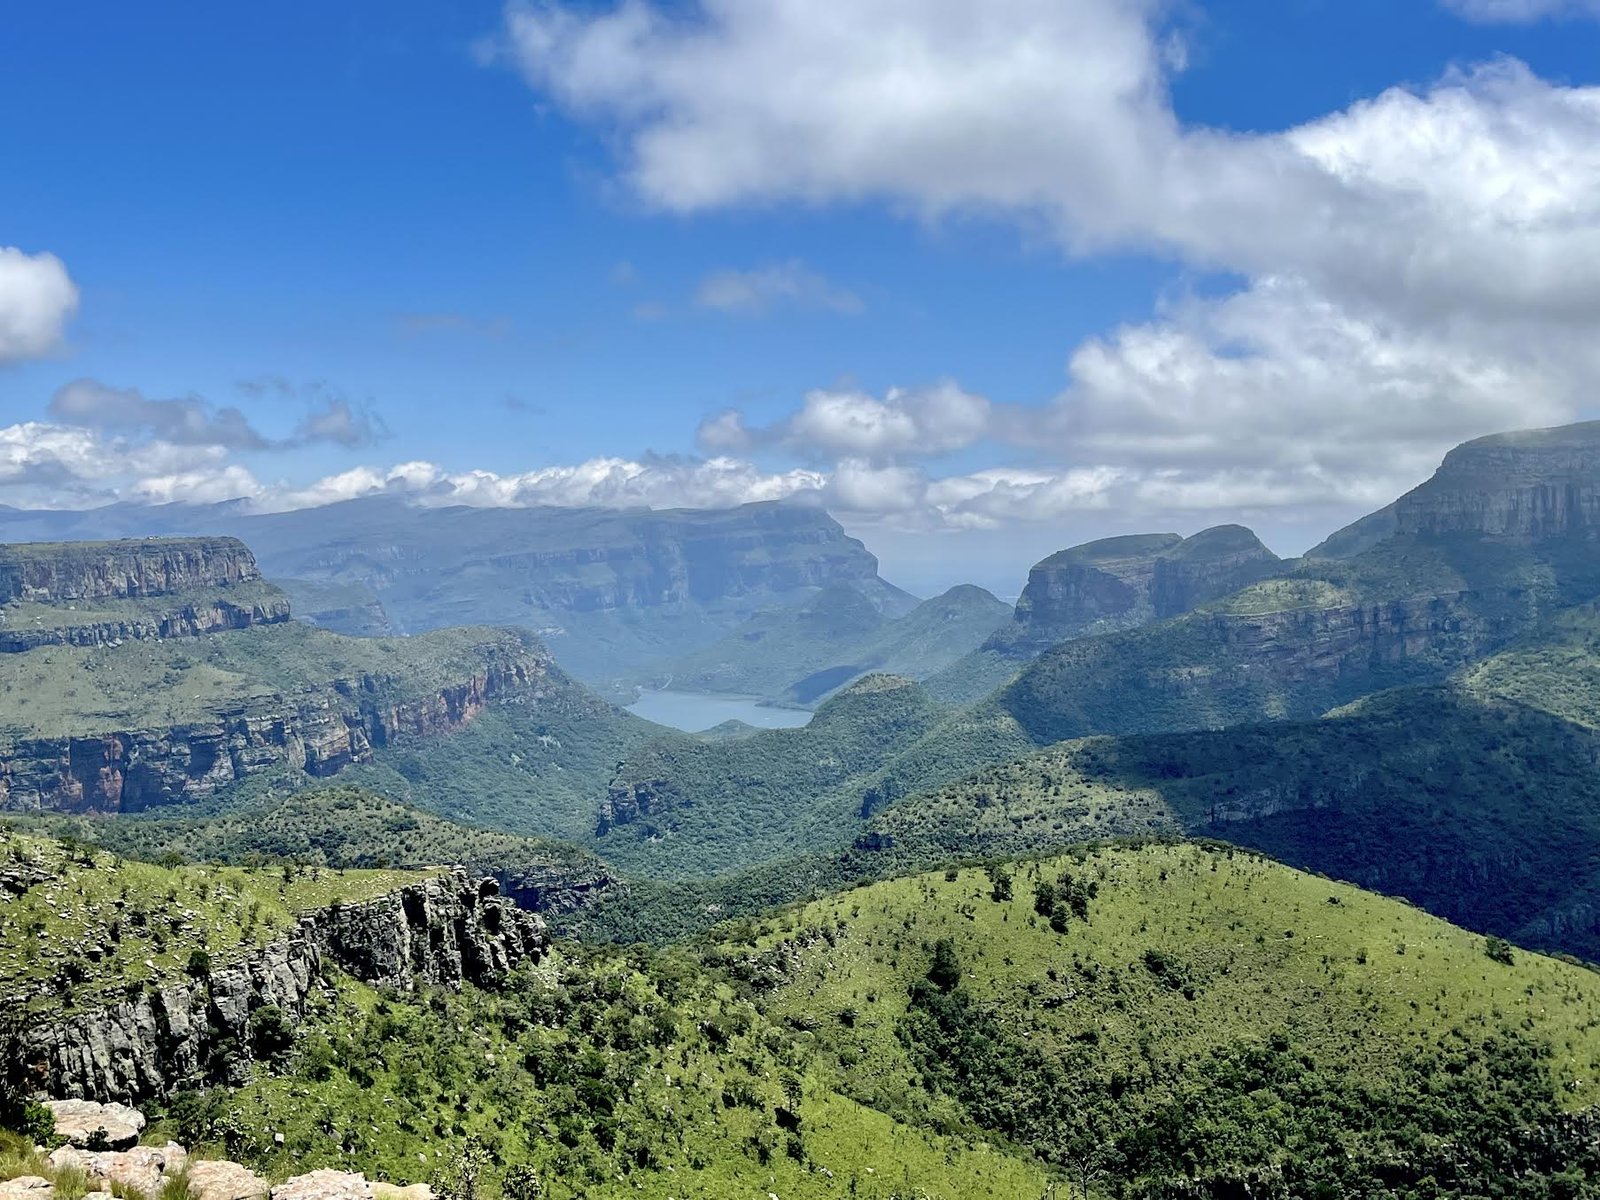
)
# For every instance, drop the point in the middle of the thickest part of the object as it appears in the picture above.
(144, 1172)
(186, 1033)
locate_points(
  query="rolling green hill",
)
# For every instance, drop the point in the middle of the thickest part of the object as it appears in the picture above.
(1485, 812)
(1193, 1021)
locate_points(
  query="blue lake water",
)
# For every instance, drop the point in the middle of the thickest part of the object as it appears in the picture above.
(695, 712)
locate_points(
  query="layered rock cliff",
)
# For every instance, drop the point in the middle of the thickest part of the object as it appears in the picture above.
(1527, 486)
(1123, 582)
(59, 572)
(188, 1033)
(614, 591)
(136, 767)
(1524, 487)
(1212, 669)
(100, 593)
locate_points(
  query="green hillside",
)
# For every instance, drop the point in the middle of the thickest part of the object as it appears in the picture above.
(72, 691)
(1193, 1021)
(1487, 813)
(92, 923)
(684, 807)
(348, 827)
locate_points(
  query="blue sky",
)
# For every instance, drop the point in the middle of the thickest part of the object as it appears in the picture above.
(518, 241)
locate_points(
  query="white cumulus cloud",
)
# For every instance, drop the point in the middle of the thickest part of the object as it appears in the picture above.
(37, 299)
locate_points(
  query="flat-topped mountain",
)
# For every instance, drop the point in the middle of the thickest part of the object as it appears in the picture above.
(1118, 582)
(149, 672)
(91, 593)
(1525, 486)
(611, 590)
(127, 569)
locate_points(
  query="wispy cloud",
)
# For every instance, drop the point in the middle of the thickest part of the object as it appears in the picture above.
(760, 290)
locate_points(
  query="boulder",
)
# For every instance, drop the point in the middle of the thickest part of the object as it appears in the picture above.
(225, 1181)
(324, 1185)
(27, 1187)
(141, 1169)
(83, 1122)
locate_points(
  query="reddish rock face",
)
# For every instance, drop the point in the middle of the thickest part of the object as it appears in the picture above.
(133, 770)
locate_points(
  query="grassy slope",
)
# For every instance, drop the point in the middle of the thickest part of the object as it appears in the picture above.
(607, 1072)
(145, 920)
(1352, 982)
(608, 1076)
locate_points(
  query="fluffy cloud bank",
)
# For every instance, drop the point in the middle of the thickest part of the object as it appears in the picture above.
(37, 299)
(1416, 269)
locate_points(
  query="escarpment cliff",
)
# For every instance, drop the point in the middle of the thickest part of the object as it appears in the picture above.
(1527, 486)
(319, 727)
(1211, 669)
(59, 572)
(187, 1033)
(99, 593)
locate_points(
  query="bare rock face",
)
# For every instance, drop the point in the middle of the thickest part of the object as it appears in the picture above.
(222, 1180)
(324, 1185)
(1123, 582)
(136, 769)
(1524, 487)
(27, 1187)
(57, 572)
(446, 929)
(85, 1123)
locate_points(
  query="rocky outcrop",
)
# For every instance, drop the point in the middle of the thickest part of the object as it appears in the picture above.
(59, 572)
(134, 769)
(187, 1033)
(212, 614)
(1123, 582)
(102, 593)
(86, 1123)
(1525, 487)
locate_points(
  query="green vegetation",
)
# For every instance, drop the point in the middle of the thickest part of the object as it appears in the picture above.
(1204, 1023)
(1555, 669)
(22, 615)
(597, 1073)
(94, 923)
(683, 807)
(1486, 813)
(538, 769)
(339, 826)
